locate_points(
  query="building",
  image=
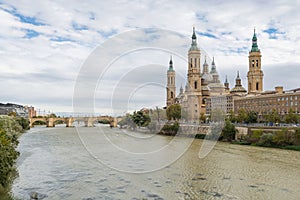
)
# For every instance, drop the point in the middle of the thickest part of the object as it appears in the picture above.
(199, 86)
(31, 111)
(205, 94)
(263, 104)
(9, 108)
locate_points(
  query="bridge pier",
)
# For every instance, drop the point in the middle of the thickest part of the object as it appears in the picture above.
(50, 122)
(69, 122)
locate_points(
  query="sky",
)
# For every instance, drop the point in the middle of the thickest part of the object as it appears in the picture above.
(46, 48)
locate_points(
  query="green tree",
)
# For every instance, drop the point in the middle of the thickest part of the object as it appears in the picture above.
(231, 116)
(251, 117)
(291, 117)
(23, 122)
(242, 115)
(52, 115)
(273, 116)
(141, 118)
(229, 131)
(174, 112)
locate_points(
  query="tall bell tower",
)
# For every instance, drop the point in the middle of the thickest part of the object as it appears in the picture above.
(171, 87)
(255, 74)
(194, 80)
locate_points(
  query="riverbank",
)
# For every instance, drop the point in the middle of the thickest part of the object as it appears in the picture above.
(10, 130)
(283, 138)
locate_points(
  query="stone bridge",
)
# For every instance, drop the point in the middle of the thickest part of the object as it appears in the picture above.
(88, 121)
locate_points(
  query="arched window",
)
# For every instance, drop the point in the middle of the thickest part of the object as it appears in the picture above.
(257, 84)
(196, 84)
(191, 62)
(172, 95)
(195, 62)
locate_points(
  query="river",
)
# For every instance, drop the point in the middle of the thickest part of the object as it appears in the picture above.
(103, 163)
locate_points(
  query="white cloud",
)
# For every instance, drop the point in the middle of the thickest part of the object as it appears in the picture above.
(46, 42)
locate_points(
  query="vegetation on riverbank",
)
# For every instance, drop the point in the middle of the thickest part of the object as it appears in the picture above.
(10, 129)
(284, 138)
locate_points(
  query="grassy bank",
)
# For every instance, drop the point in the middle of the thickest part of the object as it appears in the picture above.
(10, 130)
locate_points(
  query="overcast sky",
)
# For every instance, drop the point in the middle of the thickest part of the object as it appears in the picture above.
(46, 45)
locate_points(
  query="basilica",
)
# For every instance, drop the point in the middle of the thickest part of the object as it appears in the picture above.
(203, 85)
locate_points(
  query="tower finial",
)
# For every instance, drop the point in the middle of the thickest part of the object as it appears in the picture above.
(226, 81)
(238, 74)
(254, 43)
(194, 33)
(170, 64)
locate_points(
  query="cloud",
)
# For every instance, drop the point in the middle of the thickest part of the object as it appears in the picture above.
(47, 42)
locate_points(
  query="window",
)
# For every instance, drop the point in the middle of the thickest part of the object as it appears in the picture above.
(257, 84)
(195, 62)
(196, 84)
(256, 63)
(191, 63)
(252, 63)
(172, 94)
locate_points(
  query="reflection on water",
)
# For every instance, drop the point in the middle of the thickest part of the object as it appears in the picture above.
(55, 164)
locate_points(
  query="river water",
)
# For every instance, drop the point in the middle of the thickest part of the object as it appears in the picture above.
(103, 163)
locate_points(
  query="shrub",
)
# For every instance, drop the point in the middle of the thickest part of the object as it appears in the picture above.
(283, 137)
(266, 140)
(229, 131)
(254, 136)
(170, 129)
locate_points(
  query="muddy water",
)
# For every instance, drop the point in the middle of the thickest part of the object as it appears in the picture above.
(104, 163)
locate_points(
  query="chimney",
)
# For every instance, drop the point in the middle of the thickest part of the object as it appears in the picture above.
(279, 89)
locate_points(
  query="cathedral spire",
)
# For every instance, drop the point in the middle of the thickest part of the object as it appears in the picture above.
(205, 66)
(181, 89)
(238, 81)
(213, 66)
(226, 81)
(171, 64)
(194, 46)
(254, 43)
(226, 84)
(194, 34)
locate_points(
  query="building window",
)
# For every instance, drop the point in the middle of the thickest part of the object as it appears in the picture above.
(195, 62)
(196, 84)
(256, 63)
(252, 63)
(191, 63)
(257, 84)
(172, 95)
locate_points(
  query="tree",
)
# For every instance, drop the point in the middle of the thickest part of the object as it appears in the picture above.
(242, 115)
(273, 116)
(141, 118)
(251, 117)
(291, 117)
(174, 112)
(232, 117)
(228, 131)
(52, 115)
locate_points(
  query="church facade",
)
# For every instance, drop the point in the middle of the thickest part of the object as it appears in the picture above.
(201, 84)
(203, 88)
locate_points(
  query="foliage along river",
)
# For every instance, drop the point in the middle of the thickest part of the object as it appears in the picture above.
(103, 163)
